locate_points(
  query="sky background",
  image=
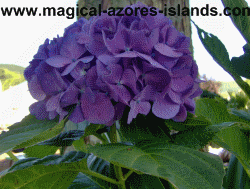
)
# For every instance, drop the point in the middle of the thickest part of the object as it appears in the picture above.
(21, 36)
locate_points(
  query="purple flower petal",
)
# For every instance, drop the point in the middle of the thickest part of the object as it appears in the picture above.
(177, 73)
(194, 70)
(119, 109)
(182, 115)
(127, 54)
(108, 59)
(70, 48)
(61, 113)
(183, 44)
(54, 47)
(164, 109)
(52, 115)
(75, 27)
(53, 103)
(115, 74)
(137, 69)
(118, 42)
(58, 61)
(129, 79)
(139, 42)
(154, 37)
(73, 65)
(70, 96)
(97, 48)
(101, 69)
(191, 91)
(52, 82)
(122, 92)
(175, 97)
(190, 105)
(152, 61)
(182, 84)
(167, 51)
(38, 109)
(83, 38)
(185, 60)
(77, 115)
(163, 32)
(91, 78)
(101, 112)
(158, 78)
(198, 92)
(167, 62)
(78, 71)
(89, 95)
(148, 93)
(36, 89)
(157, 21)
(172, 36)
(136, 108)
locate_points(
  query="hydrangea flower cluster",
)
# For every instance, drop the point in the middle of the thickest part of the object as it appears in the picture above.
(107, 63)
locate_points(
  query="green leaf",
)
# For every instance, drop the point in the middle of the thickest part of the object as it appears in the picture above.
(234, 140)
(215, 48)
(144, 127)
(195, 138)
(75, 126)
(91, 130)
(200, 136)
(213, 110)
(40, 151)
(236, 177)
(100, 166)
(97, 165)
(240, 21)
(64, 139)
(219, 53)
(45, 134)
(190, 123)
(85, 182)
(242, 64)
(50, 172)
(184, 167)
(80, 145)
(24, 131)
(243, 115)
(238, 142)
(144, 181)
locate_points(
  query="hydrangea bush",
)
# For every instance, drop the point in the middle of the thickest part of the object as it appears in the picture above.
(101, 72)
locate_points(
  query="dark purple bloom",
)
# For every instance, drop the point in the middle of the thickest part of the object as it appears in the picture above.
(106, 63)
(41, 112)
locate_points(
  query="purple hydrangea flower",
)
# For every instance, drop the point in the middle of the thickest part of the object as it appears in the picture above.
(106, 63)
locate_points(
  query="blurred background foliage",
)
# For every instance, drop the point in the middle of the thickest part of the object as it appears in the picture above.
(228, 92)
(11, 75)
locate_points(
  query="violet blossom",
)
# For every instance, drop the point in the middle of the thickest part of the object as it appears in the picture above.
(106, 63)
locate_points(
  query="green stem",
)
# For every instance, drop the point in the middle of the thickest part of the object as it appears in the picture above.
(113, 134)
(128, 174)
(118, 169)
(12, 156)
(118, 136)
(62, 150)
(243, 85)
(98, 175)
